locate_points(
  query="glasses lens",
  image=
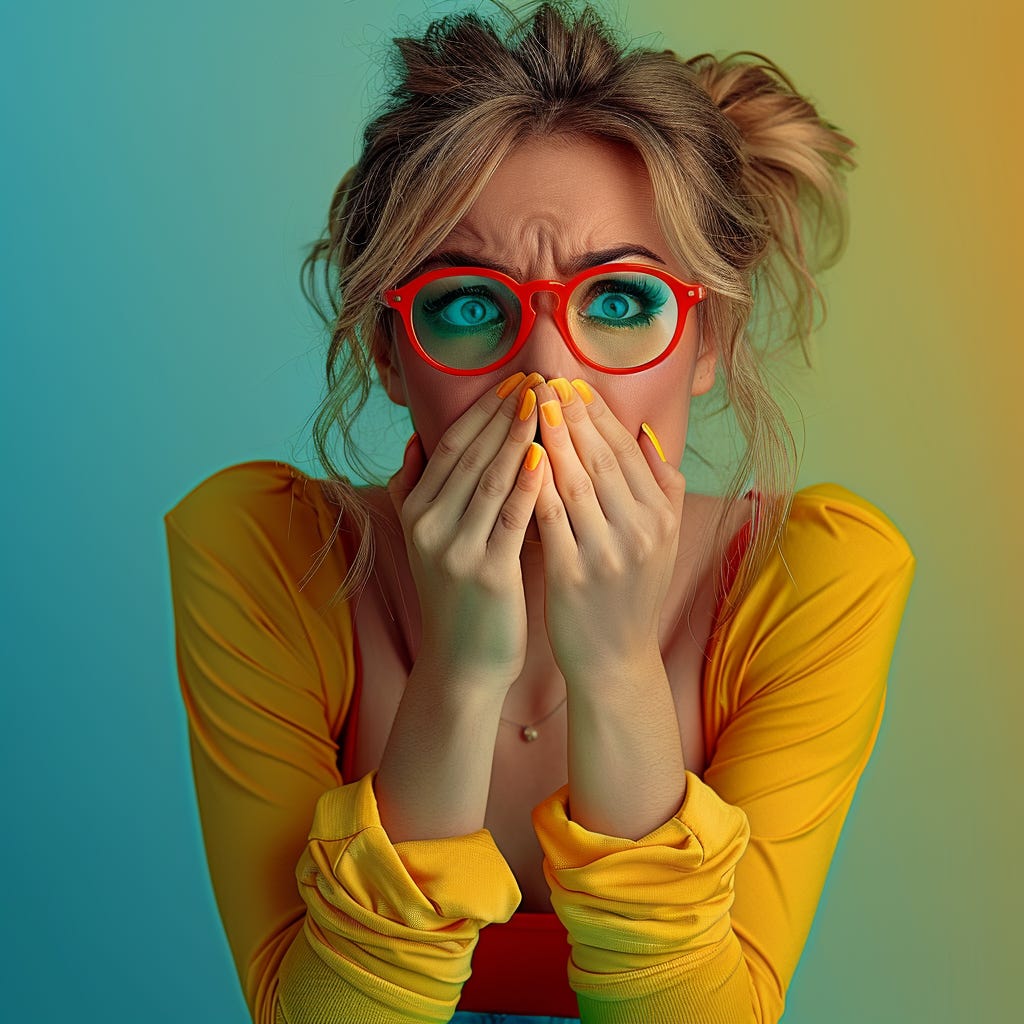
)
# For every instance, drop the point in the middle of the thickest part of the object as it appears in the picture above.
(466, 322)
(621, 319)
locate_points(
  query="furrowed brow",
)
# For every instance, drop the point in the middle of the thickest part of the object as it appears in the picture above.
(594, 258)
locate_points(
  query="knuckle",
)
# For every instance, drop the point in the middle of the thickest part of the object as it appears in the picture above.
(470, 459)
(550, 512)
(407, 515)
(580, 487)
(596, 412)
(450, 444)
(561, 439)
(611, 564)
(625, 446)
(453, 563)
(603, 460)
(668, 522)
(491, 484)
(575, 412)
(512, 519)
(510, 410)
(421, 534)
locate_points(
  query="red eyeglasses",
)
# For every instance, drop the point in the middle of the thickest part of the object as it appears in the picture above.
(616, 317)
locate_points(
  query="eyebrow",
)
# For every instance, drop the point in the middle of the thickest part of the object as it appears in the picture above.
(594, 258)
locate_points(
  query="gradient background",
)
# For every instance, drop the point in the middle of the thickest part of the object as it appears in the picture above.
(164, 167)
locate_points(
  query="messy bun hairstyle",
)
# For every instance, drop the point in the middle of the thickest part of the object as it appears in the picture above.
(747, 180)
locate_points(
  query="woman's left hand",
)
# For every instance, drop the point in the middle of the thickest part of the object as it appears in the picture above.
(608, 514)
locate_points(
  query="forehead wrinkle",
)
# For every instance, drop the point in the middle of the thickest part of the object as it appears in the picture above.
(542, 235)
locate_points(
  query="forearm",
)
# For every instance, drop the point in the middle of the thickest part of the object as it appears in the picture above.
(435, 773)
(625, 754)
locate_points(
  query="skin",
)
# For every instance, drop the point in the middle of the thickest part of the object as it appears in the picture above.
(589, 616)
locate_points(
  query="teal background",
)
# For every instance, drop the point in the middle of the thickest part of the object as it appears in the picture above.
(164, 165)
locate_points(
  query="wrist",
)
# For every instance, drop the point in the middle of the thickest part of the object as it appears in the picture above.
(455, 684)
(614, 672)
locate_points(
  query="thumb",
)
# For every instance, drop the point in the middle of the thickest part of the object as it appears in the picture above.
(408, 473)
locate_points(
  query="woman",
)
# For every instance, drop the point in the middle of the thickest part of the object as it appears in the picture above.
(577, 708)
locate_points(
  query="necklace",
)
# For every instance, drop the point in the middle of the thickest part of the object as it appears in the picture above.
(529, 733)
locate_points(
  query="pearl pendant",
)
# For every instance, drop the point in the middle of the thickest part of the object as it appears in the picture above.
(529, 733)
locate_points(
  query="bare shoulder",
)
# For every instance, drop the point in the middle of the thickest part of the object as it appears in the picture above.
(702, 513)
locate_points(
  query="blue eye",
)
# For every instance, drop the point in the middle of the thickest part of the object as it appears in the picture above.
(625, 302)
(614, 306)
(464, 309)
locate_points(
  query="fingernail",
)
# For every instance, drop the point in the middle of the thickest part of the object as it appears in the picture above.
(584, 392)
(552, 413)
(507, 386)
(534, 379)
(526, 404)
(533, 456)
(408, 445)
(564, 390)
(650, 433)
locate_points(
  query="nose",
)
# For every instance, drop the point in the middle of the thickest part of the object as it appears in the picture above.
(545, 350)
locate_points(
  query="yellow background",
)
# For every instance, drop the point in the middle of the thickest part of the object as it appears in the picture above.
(917, 405)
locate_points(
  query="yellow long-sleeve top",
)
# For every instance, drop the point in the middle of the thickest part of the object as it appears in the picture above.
(701, 921)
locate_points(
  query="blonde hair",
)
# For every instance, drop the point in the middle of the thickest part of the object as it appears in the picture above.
(747, 180)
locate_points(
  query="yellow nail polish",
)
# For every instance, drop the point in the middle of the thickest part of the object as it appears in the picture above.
(533, 455)
(563, 389)
(534, 379)
(552, 413)
(650, 433)
(584, 392)
(526, 404)
(506, 387)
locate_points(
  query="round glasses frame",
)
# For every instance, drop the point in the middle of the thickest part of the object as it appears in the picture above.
(686, 295)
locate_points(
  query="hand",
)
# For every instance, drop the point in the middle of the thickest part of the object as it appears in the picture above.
(464, 515)
(608, 514)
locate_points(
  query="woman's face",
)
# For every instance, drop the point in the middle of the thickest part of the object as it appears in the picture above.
(551, 200)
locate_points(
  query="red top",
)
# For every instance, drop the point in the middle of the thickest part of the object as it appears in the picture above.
(518, 966)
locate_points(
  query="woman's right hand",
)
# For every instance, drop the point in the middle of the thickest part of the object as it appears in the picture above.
(464, 516)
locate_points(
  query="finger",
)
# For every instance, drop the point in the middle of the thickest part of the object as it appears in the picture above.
(509, 533)
(561, 552)
(498, 480)
(633, 463)
(599, 459)
(466, 448)
(575, 486)
(405, 479)
(483, 477)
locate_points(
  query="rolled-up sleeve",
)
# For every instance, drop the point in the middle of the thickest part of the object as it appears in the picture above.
(398, 921)
(648, 919)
